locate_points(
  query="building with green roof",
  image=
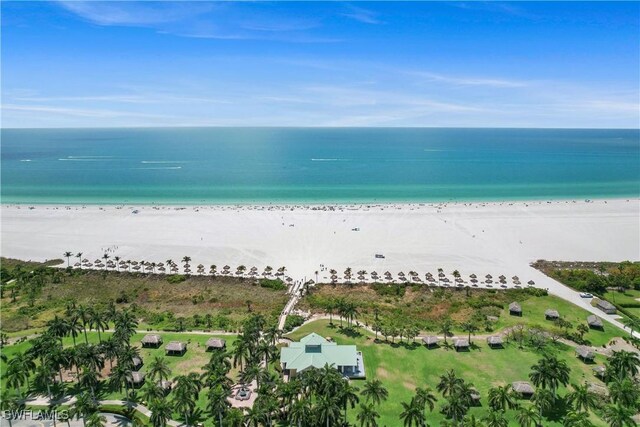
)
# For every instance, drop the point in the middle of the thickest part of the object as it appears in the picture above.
(314, 351)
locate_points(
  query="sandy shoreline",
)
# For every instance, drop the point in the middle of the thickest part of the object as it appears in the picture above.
(482, 238)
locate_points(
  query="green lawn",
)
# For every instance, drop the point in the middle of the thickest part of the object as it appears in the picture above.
(402, 368)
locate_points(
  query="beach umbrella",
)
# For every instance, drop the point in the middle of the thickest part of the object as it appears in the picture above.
(440, 274)
(174, 269)
(161, 268)
(134, 262)
(161, 264)
(488, 276)
(514, 278)
(226, 267)
(531, 282)
(254, 268)
(200, 266)
(502, 277)
(97, 261)
(187, 270)
(401, 274)
(136, 267)
(85, 260)
(361, 277)
(473, 276)
(89, 264)
(77, 264)
(489, 281)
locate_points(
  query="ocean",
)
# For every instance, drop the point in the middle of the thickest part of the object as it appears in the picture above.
(315, 165)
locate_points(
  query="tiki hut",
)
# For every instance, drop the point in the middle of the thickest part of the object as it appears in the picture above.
(475, 397)
(151, 340)
(531, 283)
(523, 388)
(175, 348)
(430, 341)
(515, 309)
(600, 371)
(461, 344)
(494, 341)
(595, 322)
(215, 344)
(586, 354)
(165, 386)
(551, 314)
(136, 363)
(606, 306)
(136, 379)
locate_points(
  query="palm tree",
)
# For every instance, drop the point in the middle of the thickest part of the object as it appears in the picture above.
(152, 391)
(495, 419)
(158, 369)
(300, 412)
(96, 420)
(217, 403)
(367, 416)
(161, 412)
(528, 416)
(84, 316)
(79, 256)
(624, 392)
(412, 414)
(97, 321)
(472, 421)
(456, 407)
(74, 326)
(449, 383)
(348, 397)
(105, 257)
(328, 409)
(502, 398)
(58, 327)
(424, 397)
(185, 395)
(577, 419)
(11, 401)
(623, 364)
(550, 373)
(84, 406)
(374, 391)
(446, 327)
(581, 398)
(18, 370)
(117, 259)
(618, 416)
(470, 328)
(543, 400)
(68, 255)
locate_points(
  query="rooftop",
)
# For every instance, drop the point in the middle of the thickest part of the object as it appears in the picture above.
(315, 351)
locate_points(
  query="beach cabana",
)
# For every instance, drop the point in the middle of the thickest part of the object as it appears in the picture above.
(430, 341)
(523, 388)
(586, 354)
(215, 344)
(606, 306)
(494, 341)
(551, 314)
(461, 344)
(136, 379)
(515, 309)
(175, 348)
(151, 340)
(595, 322)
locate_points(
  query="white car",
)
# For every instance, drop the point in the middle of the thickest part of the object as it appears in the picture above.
(585, 295)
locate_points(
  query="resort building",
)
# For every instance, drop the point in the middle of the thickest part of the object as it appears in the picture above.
(215, 344)
(313, 351)
(176, 348)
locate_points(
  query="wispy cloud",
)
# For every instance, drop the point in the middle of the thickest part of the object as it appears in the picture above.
(468, 81)
(78, 112)
(362, 15)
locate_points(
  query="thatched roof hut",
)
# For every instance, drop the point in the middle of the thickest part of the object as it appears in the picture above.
(151, 340)
(215, 344)
(515, 309)
(494, 341)
(430, 341)
(550, 314)
(175, 348)
(165, 386)
(595, 322)
(606, 306)
(600, 371)
(523, 388)
(585, 353)
(461, 344)
(136, 363)
(136, 378)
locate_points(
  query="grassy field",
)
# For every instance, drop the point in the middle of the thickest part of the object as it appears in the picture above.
(403, 367)
(158, 302)
(426, 307)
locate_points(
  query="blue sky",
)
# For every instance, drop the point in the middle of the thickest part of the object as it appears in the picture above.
(471, 64)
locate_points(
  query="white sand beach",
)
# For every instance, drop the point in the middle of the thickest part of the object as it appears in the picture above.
(481, 238)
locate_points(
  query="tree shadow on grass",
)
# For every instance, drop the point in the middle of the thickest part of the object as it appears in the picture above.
(350, 332)
(558, 411)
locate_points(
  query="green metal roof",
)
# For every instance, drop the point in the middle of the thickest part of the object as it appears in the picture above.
(300, 357)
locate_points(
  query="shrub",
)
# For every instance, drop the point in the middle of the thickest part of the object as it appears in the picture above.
(293, 321)
(275, 284)
(176, 278)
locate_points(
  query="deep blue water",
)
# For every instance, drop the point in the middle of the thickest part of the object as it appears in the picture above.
(245, 165)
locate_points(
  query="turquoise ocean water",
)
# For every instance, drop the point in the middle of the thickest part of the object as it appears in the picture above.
(309, 165)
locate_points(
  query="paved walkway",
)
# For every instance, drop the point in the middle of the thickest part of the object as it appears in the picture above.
(70, 400)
